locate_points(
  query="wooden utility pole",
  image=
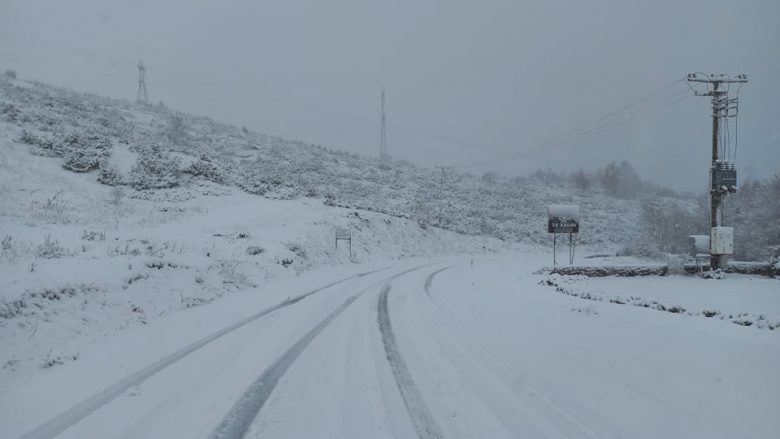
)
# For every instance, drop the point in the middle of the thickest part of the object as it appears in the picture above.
(722, 172)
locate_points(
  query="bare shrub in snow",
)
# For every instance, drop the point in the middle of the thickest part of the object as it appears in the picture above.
(11, 74)
(55, 360)
(50, 249)
(92, 235)
(254, 250)
(11, 250)
(55, 206)
(230, 270)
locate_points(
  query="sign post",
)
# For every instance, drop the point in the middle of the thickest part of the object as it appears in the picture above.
(563, 219)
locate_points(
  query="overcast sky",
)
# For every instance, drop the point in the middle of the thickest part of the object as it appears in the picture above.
(467, 81)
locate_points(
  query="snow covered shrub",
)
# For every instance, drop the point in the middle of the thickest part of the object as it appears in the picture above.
(43, 146)
(80, 161)
(84, 153)
(252, 181)
(92, 235)
(50, 249)
(297, 249)
(155, 170)
(10, 74)
(10, 111)
(254, 250)
(207, 168)
(110, 176)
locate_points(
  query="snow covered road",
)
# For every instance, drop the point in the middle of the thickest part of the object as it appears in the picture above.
(446, 348)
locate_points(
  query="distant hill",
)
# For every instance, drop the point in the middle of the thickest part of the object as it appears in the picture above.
(149, 148)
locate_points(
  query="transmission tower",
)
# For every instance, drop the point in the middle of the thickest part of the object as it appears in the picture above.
(383, 135)
(142, 95)
(723, 173)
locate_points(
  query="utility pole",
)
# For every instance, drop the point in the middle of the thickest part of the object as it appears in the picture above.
(441, 194)
(142, 95)
(383, 135)
(723, 174)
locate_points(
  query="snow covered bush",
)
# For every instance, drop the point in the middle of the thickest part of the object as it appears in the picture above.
(109, 175)
(155, 169)
(11, 74)
(10, 111)
(84, 153)
(81, 152)
(41, 145)
(207, 168)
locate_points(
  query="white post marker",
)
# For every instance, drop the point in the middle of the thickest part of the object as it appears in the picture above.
(344, 234)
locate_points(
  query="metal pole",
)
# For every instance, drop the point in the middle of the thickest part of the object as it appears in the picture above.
(571, 250)
(554, 239)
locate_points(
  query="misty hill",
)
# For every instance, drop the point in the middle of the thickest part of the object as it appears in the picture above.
(152, 149)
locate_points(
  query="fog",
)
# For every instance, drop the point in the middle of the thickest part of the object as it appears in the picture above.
(467, 82)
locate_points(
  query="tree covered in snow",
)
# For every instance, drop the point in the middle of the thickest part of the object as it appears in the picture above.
(754, 211)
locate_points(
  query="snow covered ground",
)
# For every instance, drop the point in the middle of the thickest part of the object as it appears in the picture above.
(81, 261)
(442, 347)
(205, 311)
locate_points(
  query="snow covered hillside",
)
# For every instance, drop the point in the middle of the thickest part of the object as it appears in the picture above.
(81, 259)
(154, 147)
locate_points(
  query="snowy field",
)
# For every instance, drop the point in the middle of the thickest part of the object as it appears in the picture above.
(442, 347)
(104, 261)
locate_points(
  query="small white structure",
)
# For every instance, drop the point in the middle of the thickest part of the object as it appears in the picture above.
(699, 246)
(344, 234)
(722, 240)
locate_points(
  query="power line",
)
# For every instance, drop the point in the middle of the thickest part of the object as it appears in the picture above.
(608, 121)
(611, 120)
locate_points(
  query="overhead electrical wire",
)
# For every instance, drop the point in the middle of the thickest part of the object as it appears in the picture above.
(611, 120)
(616, 118)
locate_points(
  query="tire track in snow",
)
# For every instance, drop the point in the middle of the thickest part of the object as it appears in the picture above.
(429, 281)
(421, 417)
(239, 419)
(546, 408)
(81, 410)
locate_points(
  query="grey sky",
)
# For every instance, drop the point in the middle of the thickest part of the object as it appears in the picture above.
(467, 81)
